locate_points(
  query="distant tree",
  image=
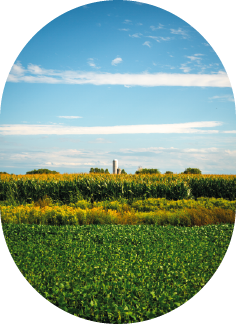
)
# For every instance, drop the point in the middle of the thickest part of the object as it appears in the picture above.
(192, 171)
(148, 171)
(3, 172)
(169, 172)
(123, 171)
(97, 170)
(42, 171)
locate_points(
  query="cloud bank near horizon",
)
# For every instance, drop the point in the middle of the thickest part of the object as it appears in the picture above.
(36, 74)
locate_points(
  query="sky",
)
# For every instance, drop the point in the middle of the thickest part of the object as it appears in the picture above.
(118, 80)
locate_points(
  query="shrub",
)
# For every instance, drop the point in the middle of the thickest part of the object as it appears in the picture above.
(45, 201)
(169, 172)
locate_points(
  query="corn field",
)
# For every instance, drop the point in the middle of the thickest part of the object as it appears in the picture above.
(69, 188)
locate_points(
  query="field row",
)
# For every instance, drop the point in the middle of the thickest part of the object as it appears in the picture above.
(117, 274)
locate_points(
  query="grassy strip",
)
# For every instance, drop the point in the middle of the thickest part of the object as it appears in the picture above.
(67, 215)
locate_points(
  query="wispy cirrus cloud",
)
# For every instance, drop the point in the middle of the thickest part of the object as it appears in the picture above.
(92, 63)
(159, 38)
(195, 57)
(185, 68)
(69, 117)
(171, 149)
(223, 98)
(179, 31)
(36, 74)
(195, 61)
(160, 26)
(124, 29)
(147, 43)
(136, 35)
(127, 21)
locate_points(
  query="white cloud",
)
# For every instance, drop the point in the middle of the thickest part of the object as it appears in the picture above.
(124, 29)
(92, 63)
(209, 160)
(190, 128)
(116, 61)
(16, 72)
(139, 24)
(147, 44)
(230, 132)
(35, 69)
(140, 79)
(17, 69)
(137, 35)
(233, 152)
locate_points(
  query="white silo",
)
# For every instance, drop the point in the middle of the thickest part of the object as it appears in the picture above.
(115, 166)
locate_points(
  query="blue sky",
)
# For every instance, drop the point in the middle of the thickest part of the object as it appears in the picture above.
(118, 80)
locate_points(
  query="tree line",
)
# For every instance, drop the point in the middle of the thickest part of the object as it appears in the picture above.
(97, 170)
(156, 171)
